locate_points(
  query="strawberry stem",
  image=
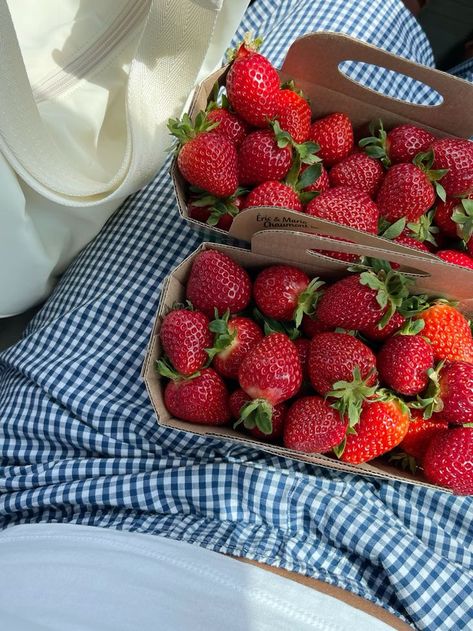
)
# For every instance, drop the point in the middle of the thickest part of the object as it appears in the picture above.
(257, 413)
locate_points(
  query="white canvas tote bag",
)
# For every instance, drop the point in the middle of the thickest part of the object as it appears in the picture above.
(86, 88)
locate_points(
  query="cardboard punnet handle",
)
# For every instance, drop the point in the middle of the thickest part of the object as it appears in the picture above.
(435, 276)
(317, 56)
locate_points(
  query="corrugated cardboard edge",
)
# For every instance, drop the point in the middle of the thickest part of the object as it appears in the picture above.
(173, 289)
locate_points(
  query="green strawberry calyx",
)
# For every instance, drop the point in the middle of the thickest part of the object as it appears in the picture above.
(350, 395)
(404, 460)
(376, 145)
(298, 180)
(257, 413)
(217, 206)
(463, 217)
(424, 162)
(431, 401)
(246, 47)
(224, 337)
(307, 300)
(185, 130)
(306, 150)
(393, 230)
(276, 326)
(164, 368)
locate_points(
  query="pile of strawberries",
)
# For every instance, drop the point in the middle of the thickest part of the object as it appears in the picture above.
(259, 147)
(354, 368)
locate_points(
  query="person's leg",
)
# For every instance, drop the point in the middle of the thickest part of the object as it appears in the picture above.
(79, 441)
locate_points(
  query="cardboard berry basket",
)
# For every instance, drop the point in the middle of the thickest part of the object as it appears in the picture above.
(431, 277)
(313, 62)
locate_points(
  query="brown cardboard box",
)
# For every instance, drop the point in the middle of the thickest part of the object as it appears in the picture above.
(313, 62)
(431, 277)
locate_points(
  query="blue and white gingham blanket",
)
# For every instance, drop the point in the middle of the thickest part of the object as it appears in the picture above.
(79, 442)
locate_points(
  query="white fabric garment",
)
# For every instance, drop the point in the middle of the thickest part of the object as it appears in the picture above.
(87, 88)
(62, 577)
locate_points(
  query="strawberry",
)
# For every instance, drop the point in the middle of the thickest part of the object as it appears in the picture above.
(448, 331)
(313, 426)
(403, 362)
(443, 217)
(202, 399)
(261, 159)
(449, 460)
(239, 399)
(382, 426)
(376, 334)
(410, 242)
(215, 211)
(347, 206)
(312, 325)
(450, 392)
(462, 215)
(359, 171)
(334, 356)
(233, 340)
(271, 370)
(273, 193)
(185, 336)
(217, 282)
(205, 159)
(361, 301)
(456, 155)
(321, 184)
(401, 144)
(253, 87)
(302, 345)
(406, 191)
(334, 135)
(229, 125)
(284, 292)
(419, 435)
(293, 114)
(456, 258)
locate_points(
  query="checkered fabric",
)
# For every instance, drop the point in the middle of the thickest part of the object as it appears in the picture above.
(80, 444)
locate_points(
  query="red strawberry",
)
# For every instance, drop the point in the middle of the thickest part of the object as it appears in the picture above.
(406, 191)
(419, 435)
(443, 217)
(185, 336)
(360, 301)
(359, 171)
(401, 144)
(273, 193)
(334, 135)
(321, 184)
(202, 400)
(205, 159)
(271, 370)
(313, 426)
(382, 426)
(455, 258)
(233, 340)
(217, 282)
(456, 155)
(261, 159)
(410, 242)
(334, 356)
(376, 334)
(462, 215)
(449, 460)
(347, 206)
(312, 325)
(239, 398)
(403, 362)
(253, 87)
(284, 292)
(215, 211)
(229, 125)
(450, 392)
(205, 214)
(293, 114)
(448, 331)
(302, 345)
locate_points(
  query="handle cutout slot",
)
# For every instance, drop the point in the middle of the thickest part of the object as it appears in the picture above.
(390, 83)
